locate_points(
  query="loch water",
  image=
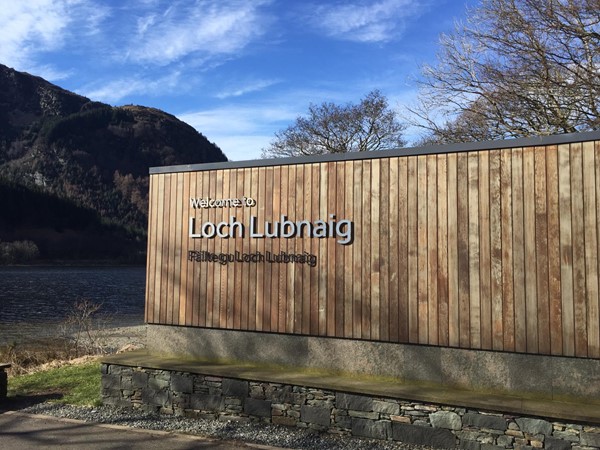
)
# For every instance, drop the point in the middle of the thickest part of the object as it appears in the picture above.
(34, 301)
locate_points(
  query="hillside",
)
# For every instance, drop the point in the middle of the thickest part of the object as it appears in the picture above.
(74, 172)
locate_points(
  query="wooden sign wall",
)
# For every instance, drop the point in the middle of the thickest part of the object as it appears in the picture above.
(484, 249)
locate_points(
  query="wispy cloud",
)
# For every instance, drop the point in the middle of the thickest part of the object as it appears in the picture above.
(116, 90)
(202, 29)
(362, 21)
(35, 26)
(253, 86)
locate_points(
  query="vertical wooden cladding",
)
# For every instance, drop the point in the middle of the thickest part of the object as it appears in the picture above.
(494, 250)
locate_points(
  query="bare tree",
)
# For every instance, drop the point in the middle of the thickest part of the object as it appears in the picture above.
(331, 128)
(515, 68)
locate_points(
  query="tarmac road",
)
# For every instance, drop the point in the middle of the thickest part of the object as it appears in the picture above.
(20, 431)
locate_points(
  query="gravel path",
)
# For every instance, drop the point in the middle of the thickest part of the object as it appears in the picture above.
(264, 434)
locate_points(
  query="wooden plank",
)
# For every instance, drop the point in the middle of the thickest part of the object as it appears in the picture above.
(302, 319)
(329, 245)
(395, 254)
(518, 224)
(261, 247)
(357, 252)
(301, 289)
(165, 286)
(349, 252)
(453, 264)
(422, 265)
(566, 249)
(375, 275)
(340, 251)
(413, 260)
(247, 272)
(496, 252)
(578, 236)
(384, 251)
(432, 252)
(313, 323)
(322, 246)
(591, 248)
(151, 252)
(191, 280)
(474, 283)
(463, 249)
(237, 246)
(203, 273)
(554, 263)
(253, 277)
(292, 246)
(223, 245)
(541, 250)
(596, 307)
(442, 247)
(403, 260)
(506, 213)
(530, 262)
(277, 298)
(485, 257)
(178, 297)
(366, 254)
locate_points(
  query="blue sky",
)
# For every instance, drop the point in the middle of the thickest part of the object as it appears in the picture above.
(236, 70)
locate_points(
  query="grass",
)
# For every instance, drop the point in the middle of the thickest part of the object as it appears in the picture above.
(74, 385)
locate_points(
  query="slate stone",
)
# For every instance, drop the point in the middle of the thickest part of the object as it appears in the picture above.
(139, 379)
(182, 383)
(380, 429)
(386, 407)
(111, 381)
(355, 402)
(257, 407)
(446, 419)
(414, 434)
(469, 445)
(551, 443)
(590, 439)
(156, 398)
(206, 402)
(534, 426)
(315, 414)
(484, 421)
(235, 388)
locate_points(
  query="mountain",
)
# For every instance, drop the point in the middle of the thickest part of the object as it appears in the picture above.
(74, 172)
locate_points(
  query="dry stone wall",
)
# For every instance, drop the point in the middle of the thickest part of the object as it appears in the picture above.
(440, 426)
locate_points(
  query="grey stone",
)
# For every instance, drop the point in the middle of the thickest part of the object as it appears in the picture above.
(156, 398)
(505, 441)
(104, 369)
(433, 437)
(139, 379)
(380, 429)
(446, 419)
(257, 407)
(386, 407)
(111, 381)
(355, 402)
(590, 439)
(484, 421)
(206, 402)
(157, 383)
(182, 383)
(235, 388)
(534, 426)
(556, 444)
(491, 447)
(469, 445)
(316, 415)
(364, 414)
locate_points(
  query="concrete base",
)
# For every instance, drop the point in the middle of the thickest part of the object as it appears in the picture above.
(533, 376)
